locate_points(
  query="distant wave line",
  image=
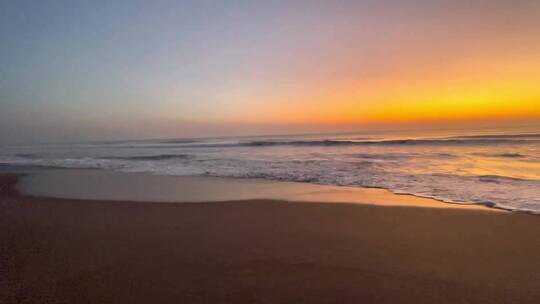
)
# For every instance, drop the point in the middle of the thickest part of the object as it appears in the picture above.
(150, 157)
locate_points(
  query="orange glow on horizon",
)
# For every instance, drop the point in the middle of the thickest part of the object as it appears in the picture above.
(484, 91)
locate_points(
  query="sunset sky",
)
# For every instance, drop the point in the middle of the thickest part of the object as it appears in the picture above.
(143, 69)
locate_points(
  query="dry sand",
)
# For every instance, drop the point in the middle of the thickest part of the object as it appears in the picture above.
(261, 251)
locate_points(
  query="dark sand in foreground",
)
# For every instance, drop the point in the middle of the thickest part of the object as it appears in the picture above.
(75, 251)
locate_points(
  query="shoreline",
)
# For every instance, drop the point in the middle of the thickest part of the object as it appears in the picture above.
(132, 186)
(264, 251)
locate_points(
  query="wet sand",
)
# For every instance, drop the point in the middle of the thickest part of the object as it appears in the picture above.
(261, 251)
(92, 184)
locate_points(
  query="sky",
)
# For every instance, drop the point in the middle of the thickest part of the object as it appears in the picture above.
(103, 70)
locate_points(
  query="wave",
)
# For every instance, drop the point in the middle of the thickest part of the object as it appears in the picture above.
(505, 155)
(522, 135)
(479, 141)
(497, 178)
(511, 155)
(384, 156)
(330, 143)
(179, 141)
(192, 143)
(151, 157)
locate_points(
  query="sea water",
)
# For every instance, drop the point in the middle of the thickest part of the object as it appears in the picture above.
(496, 168)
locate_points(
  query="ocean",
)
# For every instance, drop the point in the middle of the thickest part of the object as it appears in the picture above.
(495, 168)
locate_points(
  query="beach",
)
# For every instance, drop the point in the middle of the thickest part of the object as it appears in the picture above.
(269, 152)
(58, 250)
